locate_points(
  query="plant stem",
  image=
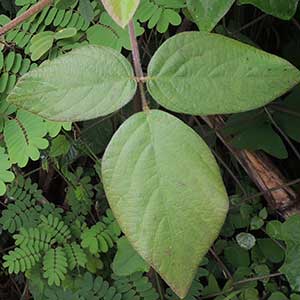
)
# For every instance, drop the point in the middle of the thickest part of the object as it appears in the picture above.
(137, 65)
(158, 286)
(25, 16)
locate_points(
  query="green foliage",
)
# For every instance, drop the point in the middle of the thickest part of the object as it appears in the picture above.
(49, 249)
(127, 261)
(150, 160)
(53, 225)
(76, 256)
(20, 260)
(42, 42)
(195, 290)
(55, 266)
(160, 178)
(121, 12)
(69, 94)
(232, 65)
(24, 209)
(281, 8)
(80, 192)
(34, 238)
(289, 232)
(255, 131)
(101, 236)
(160, 13)
(206, 14)
(108, 33)
(5, 175)
(24, 137)
(136, 287)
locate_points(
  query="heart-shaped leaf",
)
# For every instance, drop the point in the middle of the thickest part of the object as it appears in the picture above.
(165, 189)
(204, 73)
(86, 83)
(121, 11)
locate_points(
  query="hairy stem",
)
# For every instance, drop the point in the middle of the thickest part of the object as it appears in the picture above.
(25, 16)
(137, 65)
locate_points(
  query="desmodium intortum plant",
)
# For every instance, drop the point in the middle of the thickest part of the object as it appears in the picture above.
(160, 178)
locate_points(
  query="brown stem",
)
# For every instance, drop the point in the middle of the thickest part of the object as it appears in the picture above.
(137, 65)
(25, 16)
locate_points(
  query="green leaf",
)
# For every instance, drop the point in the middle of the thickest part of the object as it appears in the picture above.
(86, 10)
(236, 256)
(63, 4)
(272, 251)
(24, 136)
(41, 43)
(86, 83)
(274, 229)
(203, 73)
(283, 9)
(65, 33)
(256, 223)
(5, 175)
(121, 11)
(59, 146)
(261, 137)
(207, 13)
(291, 229)
(286, 120)
(109, 34)
(170, 220)
(278, 296)
(291, 266)
(127, 261)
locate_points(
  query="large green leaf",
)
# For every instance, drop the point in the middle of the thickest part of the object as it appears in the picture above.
(121, 11)
(203, 73)
(165, 189)
(284, 9)
(207, 13)
(86, 83)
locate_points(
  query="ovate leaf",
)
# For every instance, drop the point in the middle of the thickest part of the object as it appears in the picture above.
(283, 9)
(121, 11)
(166, 192)
(86, 83)
(207, 13)
(203, 73)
